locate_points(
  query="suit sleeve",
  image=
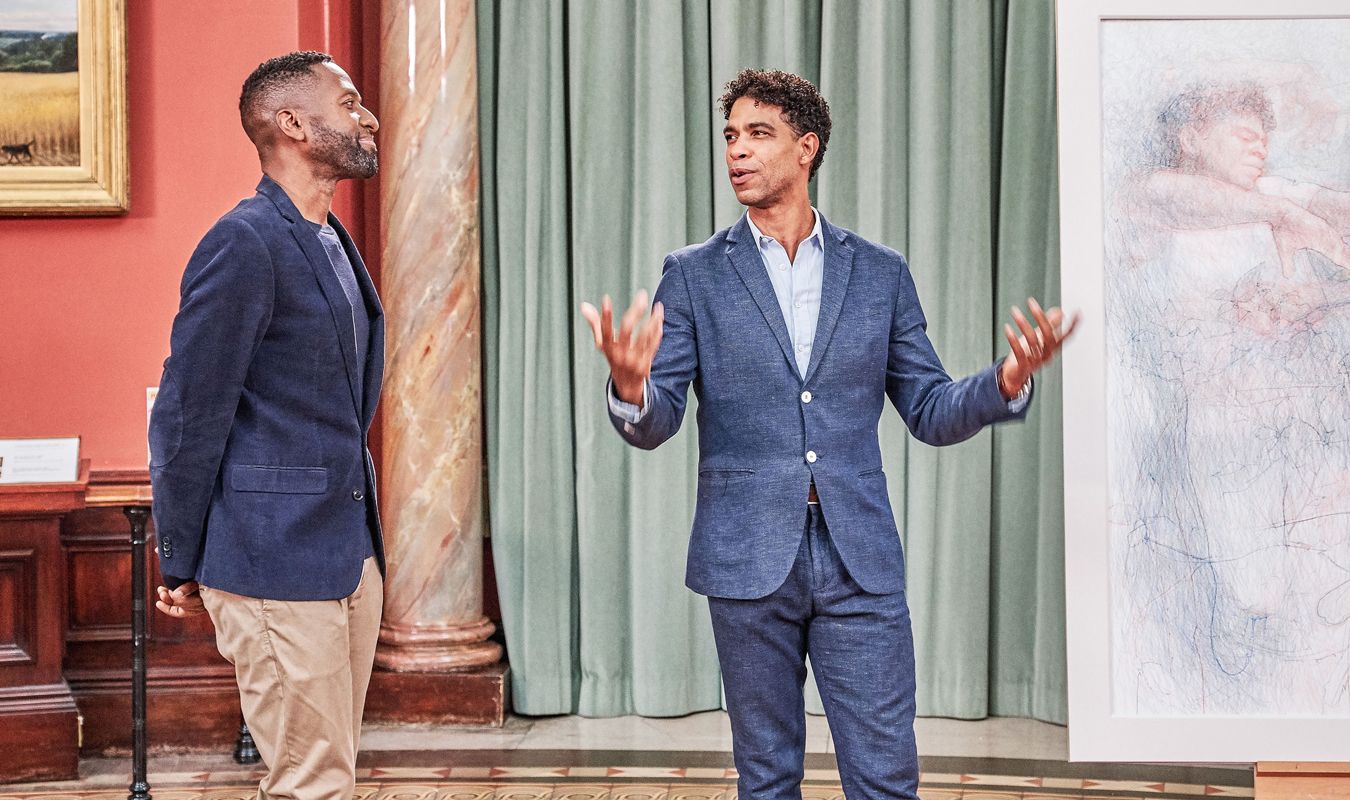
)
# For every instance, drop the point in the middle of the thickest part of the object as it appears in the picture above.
(673, 367)
(938, 410)
(226, 304)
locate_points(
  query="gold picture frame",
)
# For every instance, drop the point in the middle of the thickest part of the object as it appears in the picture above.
(100, 184)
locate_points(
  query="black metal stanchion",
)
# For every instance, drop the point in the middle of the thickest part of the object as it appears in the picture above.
(139, 788)
(245, 750)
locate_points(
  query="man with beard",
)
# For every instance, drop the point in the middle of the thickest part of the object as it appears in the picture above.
(264, 490)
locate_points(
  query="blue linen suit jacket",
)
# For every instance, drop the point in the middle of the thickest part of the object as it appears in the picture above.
(263, 483)
(759, 418)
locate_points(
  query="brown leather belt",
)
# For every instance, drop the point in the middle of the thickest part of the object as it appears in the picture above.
(811, 494)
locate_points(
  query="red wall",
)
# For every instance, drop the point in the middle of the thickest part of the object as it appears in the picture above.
(86, 303)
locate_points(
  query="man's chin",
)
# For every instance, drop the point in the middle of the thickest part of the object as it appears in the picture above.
(746, 196)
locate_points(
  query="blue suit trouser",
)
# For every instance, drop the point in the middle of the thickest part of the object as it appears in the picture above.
(862, 649)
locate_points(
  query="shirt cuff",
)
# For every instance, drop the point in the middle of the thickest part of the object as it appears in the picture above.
(1019, 403)
(624, 410)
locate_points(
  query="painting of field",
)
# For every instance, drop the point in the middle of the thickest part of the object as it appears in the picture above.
(39, 84)
(42, 111)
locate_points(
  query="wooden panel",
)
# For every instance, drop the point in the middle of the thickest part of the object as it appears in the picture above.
(191, 694)
(31, 578)
(471, 697)
(193, 710)
(39, 728)
(18, 606)
(38, 738)
(101, 608)
(98, 626)
(1302, 780)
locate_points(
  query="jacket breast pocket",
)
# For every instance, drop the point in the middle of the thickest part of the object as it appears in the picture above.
(279, 480)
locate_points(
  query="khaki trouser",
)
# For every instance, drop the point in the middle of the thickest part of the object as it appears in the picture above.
(303, 668)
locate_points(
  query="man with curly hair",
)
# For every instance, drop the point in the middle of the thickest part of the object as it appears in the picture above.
(793, 332)
(264, 489)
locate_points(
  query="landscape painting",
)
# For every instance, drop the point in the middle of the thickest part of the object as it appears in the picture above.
(39, 84)
(63, 108)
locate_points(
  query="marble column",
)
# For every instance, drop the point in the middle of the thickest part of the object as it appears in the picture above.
(432, 502)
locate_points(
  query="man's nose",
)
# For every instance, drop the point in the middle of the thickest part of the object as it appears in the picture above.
(1259, 149)
(369, 121)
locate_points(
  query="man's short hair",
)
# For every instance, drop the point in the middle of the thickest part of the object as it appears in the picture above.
(268, 81)
(1202, 105)
(803, 107)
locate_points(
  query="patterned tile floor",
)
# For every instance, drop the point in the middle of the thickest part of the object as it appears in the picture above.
(419, 763)
(644, 776)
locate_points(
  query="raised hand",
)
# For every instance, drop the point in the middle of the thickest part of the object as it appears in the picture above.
(1034, 348)
(631, 350)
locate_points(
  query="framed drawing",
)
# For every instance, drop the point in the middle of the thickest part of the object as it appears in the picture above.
(63, 117)
(1205, 165)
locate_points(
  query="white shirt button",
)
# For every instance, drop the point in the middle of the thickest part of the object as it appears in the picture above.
(806, 397)
(810, 456)
(801, 347)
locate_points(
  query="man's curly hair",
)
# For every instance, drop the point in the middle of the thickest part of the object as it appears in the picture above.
(272, 77)
(803, 107)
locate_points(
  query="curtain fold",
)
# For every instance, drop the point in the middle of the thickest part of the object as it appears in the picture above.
(602, 151)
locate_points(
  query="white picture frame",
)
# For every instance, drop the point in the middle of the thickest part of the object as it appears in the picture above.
(1098, 731)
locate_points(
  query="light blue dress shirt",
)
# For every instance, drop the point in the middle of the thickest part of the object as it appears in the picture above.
(797, 285)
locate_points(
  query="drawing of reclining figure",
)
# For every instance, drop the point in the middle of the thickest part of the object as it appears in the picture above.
(1229, 288)
(1211, 147)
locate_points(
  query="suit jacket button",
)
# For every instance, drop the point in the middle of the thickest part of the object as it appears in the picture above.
(358, 495)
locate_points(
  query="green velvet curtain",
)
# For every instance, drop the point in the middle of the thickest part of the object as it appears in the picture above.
(601, 152)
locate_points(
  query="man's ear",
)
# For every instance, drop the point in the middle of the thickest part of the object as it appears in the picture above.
(288, 122)
(1188, 141)
(808, 145)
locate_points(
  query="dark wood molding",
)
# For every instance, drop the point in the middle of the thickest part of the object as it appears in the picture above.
(119, 487)
(479, 696)
(32, 500)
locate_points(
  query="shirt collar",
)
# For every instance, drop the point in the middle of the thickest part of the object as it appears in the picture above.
(762, 241)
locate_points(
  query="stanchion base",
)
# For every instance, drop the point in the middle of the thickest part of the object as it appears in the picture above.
(245, 750)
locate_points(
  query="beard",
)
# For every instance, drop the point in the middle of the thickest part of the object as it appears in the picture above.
(344, 155)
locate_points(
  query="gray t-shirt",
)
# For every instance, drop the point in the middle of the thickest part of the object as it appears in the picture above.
(346, 275)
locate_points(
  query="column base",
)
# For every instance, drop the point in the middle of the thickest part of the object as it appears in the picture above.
(441, 648)
(476, 696)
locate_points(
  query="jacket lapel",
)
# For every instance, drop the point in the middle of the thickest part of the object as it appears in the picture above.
(744, 255)
(838, 269)
(323, 271)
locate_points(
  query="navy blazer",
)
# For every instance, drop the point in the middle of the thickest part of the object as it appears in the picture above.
(765, 431)
(263, 484)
